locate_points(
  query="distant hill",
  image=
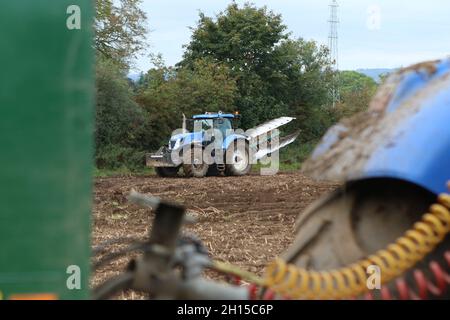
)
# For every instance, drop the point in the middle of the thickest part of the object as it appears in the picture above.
(375, 73)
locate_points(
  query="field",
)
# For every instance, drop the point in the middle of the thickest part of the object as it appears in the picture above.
(246, 221)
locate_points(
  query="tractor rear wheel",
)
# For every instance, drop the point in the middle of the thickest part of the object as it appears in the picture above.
(196, 167)
(237, 159)
(166, 172)
(357, 221)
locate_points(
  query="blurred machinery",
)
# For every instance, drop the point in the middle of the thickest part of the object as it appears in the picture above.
(393, 162)
(46, 100)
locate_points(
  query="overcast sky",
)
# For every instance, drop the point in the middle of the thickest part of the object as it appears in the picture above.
(372, 33)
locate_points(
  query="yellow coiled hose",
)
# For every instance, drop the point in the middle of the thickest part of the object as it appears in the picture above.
(351, 281)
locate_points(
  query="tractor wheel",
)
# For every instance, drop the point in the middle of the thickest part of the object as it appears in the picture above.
(168, 172)
(357, 221)
(196, 168)
(237, 160)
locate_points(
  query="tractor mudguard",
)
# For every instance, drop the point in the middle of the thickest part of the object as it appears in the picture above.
(404, 135)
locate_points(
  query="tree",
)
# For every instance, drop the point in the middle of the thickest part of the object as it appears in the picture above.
(121, 124)
(356, 92)
(245, 39)
(307, 79)
(170, 92)
(275, 75)
(120, 31)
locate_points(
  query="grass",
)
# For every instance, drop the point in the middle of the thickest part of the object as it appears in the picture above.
(104, 173)
(284, 167)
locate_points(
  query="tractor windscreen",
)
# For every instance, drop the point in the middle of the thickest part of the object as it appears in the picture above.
(221, 124)
(202, 124)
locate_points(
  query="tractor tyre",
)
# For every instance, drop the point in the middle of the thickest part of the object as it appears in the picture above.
(166, 172)
(196, 167)
(357, 221)
(237, 159)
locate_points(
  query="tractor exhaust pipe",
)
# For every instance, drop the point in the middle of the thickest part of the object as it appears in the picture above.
(183, 126)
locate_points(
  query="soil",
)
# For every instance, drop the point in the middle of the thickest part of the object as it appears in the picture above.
(246, 221)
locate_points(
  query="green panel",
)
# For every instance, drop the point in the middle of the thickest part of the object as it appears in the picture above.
(46, 101)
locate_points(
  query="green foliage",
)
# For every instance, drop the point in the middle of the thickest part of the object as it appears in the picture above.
(307, 87)
(306, 73)
(120, 31)
(352, 81)
(246, 40)
(121, 125)
(168, 93)
(293, 156)
(315, 121)
(275, 75)
(117, 157)
(356, 92)
(120, 121)
(243, 37)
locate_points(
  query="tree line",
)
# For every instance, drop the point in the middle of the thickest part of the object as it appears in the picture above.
(244, 59)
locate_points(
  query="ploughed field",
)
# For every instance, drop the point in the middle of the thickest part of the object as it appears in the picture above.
(246, 221)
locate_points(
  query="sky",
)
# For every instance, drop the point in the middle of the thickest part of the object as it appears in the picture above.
(372, 33)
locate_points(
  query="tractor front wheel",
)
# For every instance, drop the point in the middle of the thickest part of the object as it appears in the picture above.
(196, 167)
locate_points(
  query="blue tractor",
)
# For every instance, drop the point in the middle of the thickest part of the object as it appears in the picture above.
(214, 145)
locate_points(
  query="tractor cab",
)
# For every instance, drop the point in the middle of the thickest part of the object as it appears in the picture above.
(224, 122)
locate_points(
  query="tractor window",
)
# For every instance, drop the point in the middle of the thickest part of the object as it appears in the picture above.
(203, 124)
(223, 125)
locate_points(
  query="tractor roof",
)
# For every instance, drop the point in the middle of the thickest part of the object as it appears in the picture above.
(210, 115)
